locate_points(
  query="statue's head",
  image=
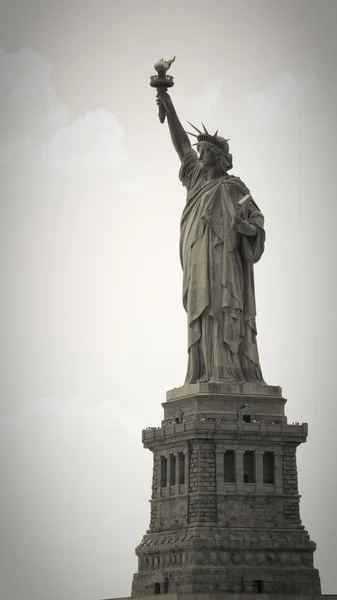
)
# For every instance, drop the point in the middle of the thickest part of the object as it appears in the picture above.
(211, 156)
(213, 147)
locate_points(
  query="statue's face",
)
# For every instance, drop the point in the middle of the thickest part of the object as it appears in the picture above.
(207, 155)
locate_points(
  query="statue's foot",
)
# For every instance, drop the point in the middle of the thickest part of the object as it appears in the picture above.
(203, 379)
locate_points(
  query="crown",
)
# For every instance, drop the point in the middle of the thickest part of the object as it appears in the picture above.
(207, 137)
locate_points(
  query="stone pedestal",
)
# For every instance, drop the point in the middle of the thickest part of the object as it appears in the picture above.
(225, 504)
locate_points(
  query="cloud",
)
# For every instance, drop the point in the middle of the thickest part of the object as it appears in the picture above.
(35, 127)
(208, 99)
(94, 141)
(29, 112)
(284, 94)
(63, 464)
(94, 416)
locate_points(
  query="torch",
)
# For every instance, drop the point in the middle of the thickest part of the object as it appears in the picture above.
(162, 81)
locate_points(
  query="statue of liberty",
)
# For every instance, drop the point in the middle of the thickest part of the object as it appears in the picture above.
(221, 237)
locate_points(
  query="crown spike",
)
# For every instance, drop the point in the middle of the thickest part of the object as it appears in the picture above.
(194, 135)
(198, 130)
(205, 130)
(216, 134)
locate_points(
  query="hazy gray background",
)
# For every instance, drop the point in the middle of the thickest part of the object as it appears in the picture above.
(93, 332)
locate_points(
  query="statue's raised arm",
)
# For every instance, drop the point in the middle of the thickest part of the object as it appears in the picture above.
(162, 81)
(179, 136)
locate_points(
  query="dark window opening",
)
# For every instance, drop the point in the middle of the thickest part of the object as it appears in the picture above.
(163, 468)
(268, 467)
(249, 467)
(177, 420)
(229, 466)
(172, 469)
(247, 418)
(181, 458)
(165, 585)
(157, 588)
(258, 587)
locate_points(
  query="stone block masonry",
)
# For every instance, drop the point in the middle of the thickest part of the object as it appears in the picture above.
(225, 516)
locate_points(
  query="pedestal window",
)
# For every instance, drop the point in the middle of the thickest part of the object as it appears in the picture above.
(229, 466)
(181, 459)
(249, 467)
(268, 468)
(172, 469)
(163, 471)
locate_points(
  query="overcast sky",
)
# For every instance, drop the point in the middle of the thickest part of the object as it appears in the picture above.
(93, 332)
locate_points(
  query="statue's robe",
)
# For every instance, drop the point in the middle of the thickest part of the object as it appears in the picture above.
(218, 278)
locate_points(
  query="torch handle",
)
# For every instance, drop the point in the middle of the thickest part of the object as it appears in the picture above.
(161, 109)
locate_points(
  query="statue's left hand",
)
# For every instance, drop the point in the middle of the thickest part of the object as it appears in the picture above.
(242, 226)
